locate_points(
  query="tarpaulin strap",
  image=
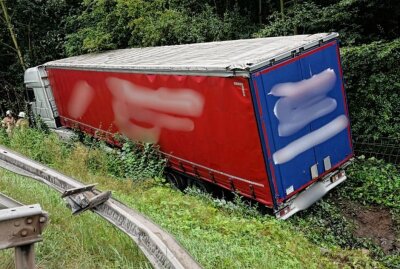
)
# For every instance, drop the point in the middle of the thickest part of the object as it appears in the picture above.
(232, 185)
(212, 177)
(253, 194)
(181, 166)
(196, 172)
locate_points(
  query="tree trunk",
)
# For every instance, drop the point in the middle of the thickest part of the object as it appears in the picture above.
(281, 4)
(12, 33)
(295, 32)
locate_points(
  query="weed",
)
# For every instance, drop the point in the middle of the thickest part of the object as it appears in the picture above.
(237, 206)
(218, 233)
(373, 181)
(370, 182)
(134, 160)
(84, 241)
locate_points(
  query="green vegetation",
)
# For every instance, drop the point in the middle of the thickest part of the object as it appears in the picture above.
(135, 161)
(357, 21)
(219, 234)
(373, 182)
(85, 241)
(151, 23)
(372, 77)
(369, 31)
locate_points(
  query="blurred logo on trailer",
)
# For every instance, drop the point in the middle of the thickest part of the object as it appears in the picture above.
(141, 113)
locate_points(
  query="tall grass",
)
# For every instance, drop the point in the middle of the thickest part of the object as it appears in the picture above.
(218, 234)
(84, 241)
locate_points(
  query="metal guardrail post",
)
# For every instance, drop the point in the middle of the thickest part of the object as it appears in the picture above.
(25, 257)
(160, 248)
(20, 228)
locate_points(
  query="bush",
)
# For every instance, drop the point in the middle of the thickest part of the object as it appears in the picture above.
(357, 21)
(120, 24)
(135, 161)
(372, 81)
(40, 146)
(373, 181)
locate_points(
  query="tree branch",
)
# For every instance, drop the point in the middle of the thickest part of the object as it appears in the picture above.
(8, 46)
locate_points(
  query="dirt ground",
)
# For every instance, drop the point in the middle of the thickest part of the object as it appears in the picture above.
(374, 223)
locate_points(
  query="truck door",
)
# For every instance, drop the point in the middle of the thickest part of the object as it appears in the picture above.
(333, 151)
(304, 121)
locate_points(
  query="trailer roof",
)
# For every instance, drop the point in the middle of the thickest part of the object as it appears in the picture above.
(223, 58)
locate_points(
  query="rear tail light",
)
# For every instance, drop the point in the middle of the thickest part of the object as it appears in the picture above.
(284, 211)
(338, 176)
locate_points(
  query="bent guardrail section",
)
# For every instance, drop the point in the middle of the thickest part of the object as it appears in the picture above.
(161, 249)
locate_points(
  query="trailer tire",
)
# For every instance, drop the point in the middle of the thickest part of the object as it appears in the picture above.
(177, 181)
(202, 186)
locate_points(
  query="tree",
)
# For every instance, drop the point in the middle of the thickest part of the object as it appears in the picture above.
(10, 27)
(357, 21)
(31, 33)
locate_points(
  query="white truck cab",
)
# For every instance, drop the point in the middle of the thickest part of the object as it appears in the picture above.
(40, 95)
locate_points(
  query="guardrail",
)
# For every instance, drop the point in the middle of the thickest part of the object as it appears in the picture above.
(160, 248)
(20, 228)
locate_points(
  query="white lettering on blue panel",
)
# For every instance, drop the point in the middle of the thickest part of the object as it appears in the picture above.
(299, 104)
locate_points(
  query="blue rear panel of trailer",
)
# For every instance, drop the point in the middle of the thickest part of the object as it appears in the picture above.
(297, 156)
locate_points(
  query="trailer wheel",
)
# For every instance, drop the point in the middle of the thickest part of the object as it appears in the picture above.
(202, 186)
(177, 181)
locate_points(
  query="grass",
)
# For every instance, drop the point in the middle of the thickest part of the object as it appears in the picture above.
(372, 183)
(218, 234)
(83, 241)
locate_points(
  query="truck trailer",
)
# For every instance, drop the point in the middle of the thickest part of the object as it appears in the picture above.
(266, 118)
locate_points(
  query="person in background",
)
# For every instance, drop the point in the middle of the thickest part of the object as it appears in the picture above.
(8, 122)
(22, 122)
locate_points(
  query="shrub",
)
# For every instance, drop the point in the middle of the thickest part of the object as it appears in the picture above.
(357, 21)
(372, 81)
(135, 161)
(373, 181)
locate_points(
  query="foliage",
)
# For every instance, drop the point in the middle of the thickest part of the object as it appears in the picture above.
(117, 24)
(219, 234)
(133, 160)
(40, 34)
(40, 124)
(357, 21)
(372, 83)
(324, 224)
(38, 145)
(373, 181)
(136, 161)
